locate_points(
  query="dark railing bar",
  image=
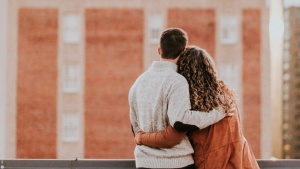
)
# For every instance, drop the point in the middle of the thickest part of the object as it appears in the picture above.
(116, 163)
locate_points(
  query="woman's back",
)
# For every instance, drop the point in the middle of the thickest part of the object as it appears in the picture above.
(222, 146)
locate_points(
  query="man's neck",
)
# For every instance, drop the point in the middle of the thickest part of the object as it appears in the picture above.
(170, 60)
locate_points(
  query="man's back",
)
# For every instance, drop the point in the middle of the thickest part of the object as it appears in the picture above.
(149, 99)
(149, 94)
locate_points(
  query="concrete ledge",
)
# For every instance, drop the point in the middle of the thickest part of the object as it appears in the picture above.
(279, 164)
(114, 164)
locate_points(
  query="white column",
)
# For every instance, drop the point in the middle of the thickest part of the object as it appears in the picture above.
(3, 62)
(276, 30)
(266, 113)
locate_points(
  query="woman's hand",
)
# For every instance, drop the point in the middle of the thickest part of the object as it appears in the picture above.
(137, 137)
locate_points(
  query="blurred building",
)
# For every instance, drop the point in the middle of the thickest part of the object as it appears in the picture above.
(291, 80)
(67, 66)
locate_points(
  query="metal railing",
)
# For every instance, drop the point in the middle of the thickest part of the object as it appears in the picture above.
(114, 164)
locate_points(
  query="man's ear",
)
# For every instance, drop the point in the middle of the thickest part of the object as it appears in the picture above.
(159, 50)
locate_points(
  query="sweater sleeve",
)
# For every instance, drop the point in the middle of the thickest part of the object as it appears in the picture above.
(133, 113)
(181, 117)
(163, 139)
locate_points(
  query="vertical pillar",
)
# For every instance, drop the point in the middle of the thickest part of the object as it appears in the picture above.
(37, 83)
(252, 77)
(276, 50)
(3, 62)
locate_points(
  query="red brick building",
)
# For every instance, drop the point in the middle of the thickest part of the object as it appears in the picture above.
(71, 64)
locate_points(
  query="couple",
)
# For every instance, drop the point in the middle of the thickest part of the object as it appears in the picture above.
(175, 98)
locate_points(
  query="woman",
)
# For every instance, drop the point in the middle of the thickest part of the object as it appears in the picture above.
(221, 145)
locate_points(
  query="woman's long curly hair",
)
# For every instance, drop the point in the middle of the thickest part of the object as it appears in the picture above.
(206, 91)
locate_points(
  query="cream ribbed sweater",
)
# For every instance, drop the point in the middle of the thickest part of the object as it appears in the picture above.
(160, 96)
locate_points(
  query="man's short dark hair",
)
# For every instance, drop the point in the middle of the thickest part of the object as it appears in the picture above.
(173, 42)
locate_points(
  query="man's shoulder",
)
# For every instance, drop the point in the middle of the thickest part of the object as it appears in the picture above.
(133, 88)
(138, 80)
(140, 77)
(176, 78)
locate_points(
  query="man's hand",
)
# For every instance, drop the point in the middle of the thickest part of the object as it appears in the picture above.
(231, 112)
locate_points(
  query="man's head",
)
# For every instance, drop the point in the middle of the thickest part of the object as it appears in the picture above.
(173, 41)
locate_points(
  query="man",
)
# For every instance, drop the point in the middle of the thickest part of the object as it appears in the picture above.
(159, 97)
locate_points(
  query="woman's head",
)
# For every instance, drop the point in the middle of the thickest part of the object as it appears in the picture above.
(206, 93)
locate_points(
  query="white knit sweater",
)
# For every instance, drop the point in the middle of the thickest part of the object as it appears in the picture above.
(160, 96)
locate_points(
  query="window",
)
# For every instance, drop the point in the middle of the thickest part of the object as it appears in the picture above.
(70, 126)
(155, 25)
(228, 29)
(291, 3)
(230, 74)
(71, 28)
(71, 78)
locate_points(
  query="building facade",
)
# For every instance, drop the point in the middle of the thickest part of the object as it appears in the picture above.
(68, 66)
(291, 81)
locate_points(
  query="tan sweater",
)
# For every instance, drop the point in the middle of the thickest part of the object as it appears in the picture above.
(159, 97)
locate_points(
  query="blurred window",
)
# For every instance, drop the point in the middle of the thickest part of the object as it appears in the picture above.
(71, 28)
(70, 127)
(230, 74)
(155, 24)
(71, 78)
(228, 29)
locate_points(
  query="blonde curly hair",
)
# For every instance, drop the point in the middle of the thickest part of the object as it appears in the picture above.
(206, 91)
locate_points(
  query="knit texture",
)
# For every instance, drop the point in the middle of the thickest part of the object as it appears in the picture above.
(160, 96)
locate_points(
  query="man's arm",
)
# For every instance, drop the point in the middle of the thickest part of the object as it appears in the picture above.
(133, 120)
(181, 117)
(170, 137)
(166, 138)
(133, 113)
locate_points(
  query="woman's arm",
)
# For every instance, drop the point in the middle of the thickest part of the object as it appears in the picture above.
(163, 139)
(170, 136)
